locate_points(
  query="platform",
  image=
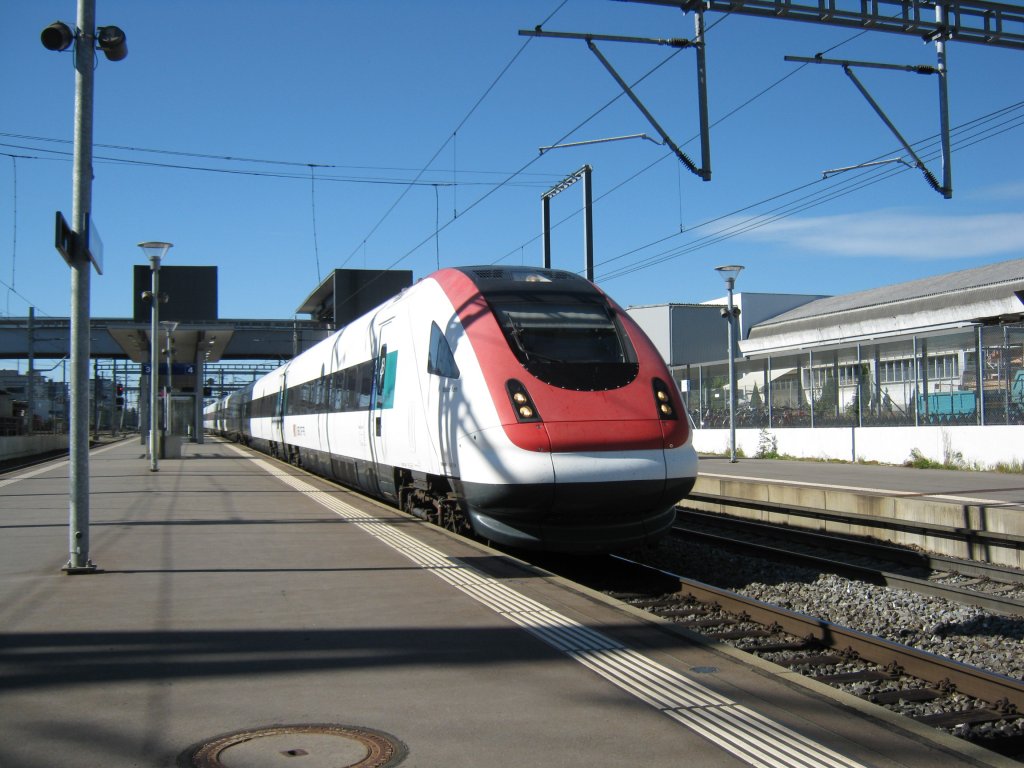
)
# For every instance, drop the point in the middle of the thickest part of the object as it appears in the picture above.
(963, 487)
(957, 513)
(238, 595)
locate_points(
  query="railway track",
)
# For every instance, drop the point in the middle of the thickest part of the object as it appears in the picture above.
(991, 587)
(972, 703)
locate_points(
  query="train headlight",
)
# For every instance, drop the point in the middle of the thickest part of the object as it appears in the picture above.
(663, 401)
(522, 404)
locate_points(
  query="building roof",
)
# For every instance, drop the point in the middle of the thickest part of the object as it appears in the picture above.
(983, 295)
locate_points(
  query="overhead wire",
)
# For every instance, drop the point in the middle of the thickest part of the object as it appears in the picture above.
(526, 165)
(839, 188)
(441, 148)
(830, 196)
(298, 175)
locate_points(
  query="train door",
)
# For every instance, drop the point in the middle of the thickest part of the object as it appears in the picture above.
(323, 400)
(382, 406)
(277, 421)
(442, 391)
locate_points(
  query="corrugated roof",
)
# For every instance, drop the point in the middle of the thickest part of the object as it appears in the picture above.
(952, 300)
(1004, 272)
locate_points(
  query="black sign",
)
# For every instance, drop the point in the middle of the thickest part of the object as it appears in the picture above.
(64, 238)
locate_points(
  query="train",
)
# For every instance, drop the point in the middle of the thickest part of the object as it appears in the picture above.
(521, 404)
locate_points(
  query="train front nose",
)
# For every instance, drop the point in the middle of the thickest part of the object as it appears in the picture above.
(570, 500)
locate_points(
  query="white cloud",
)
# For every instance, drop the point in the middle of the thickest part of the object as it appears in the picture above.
(1009, 192)
(900, 234)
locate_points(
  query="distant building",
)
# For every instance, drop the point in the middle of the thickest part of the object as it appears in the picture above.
(944, 350)
(48, 403)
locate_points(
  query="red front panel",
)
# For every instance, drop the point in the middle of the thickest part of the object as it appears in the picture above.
(619, 419)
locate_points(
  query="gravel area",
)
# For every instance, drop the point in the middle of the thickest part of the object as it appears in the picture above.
(966, 634)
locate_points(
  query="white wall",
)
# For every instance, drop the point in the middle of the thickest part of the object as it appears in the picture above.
(979, 447)
(18, 446)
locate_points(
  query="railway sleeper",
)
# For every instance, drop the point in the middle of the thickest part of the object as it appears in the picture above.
(906, 694)
(819, 660)
(687, 610)
(708, 623)
(861, 676)
(740, 634)
(782, 647)
(968, 717)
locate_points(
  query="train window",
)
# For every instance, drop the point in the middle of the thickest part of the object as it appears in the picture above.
(570, 342)
(565, 333)
(440, 359)
(384, 387)
(363, 386)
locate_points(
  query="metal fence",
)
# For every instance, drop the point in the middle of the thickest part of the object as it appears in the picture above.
(973, 376)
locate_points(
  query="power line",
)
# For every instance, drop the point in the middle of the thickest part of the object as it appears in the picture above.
(297, 175)
(226, 158)
(840, 188)
(440, 149)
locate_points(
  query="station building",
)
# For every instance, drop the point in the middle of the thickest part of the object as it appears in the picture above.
(932, 367)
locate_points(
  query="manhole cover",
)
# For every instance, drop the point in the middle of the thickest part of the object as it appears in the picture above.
(298, 746)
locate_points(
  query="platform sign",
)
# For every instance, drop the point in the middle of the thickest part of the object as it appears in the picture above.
(177, 369)
(64, 238)
(94, 247)
(64, 242)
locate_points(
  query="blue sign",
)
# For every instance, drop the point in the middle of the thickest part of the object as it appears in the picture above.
(177, 369)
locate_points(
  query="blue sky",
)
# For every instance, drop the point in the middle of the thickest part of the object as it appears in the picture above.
(280, 140)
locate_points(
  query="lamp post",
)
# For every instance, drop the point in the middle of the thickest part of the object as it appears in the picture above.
(154, 251)
(86, 38)
(729, 273)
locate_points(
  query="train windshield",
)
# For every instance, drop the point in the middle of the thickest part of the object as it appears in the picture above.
(568, 341)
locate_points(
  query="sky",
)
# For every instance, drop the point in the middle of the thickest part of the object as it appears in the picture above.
(281, 140)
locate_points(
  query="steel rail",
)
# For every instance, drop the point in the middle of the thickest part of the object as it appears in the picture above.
(1003, 692)
(992, 602)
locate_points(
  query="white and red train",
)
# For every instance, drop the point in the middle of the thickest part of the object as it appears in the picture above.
(522, 403)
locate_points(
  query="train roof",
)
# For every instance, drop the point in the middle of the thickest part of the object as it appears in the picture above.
(492, 279)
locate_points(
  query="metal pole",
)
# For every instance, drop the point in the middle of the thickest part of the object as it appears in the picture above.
(199, 389)
(545, 215)
(31, 367)
(732, 380)
(979, 377)
(96, 398)
(588, 221)
(860, 388)
(917, 419)
(810, 380)
(702, 95)
(940, 51)
(81, 205)
(154, 364)
(700, 395)
(1005, 359)
(170, 387)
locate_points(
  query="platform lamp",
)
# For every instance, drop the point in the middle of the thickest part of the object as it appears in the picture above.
(729, 273)
(154, 251)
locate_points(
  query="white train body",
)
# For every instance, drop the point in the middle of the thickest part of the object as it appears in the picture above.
(521, 402)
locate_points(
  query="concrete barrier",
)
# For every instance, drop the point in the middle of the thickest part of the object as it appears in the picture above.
(23, 446)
